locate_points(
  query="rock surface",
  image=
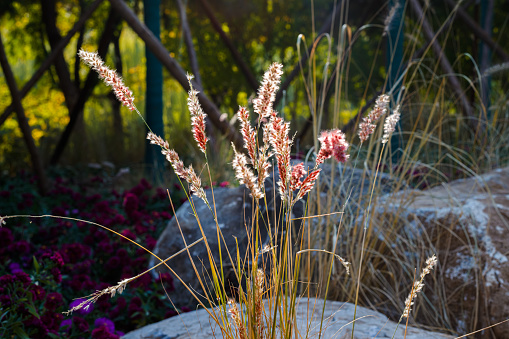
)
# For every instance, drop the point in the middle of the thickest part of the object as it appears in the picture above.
(468, 222)
(234, 209)
(336, 324)
(231, 224)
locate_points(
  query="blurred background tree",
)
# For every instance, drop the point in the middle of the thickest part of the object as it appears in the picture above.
(230, 43)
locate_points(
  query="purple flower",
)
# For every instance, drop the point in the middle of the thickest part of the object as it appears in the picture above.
(55, 272)
(14, 268)
(53, 301)
(66, 324)
(84, 310)
(52, 320)
(103, 333)
(38, 292)
(106, 323)
(7, 279)
(23, 278)
(113, 263)
(80, 324)
(6, 237)
(57, 259)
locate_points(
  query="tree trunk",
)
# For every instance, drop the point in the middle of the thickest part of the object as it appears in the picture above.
(51, 58)
(176, 70)
(92, 79)
(42, 181)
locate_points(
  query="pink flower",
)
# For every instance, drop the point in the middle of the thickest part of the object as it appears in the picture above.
(298, 172)
(390, 124)
(57, 259)
(367, 126)
(170, 313)
(197, 117)
(102, 332)
(110, 77)
(52, 320)
(277, 134)
(248, 133)
(308, 184)
(80, 324)
(23, 278)
(38, 292)
(128, 234)
(187, 174)
(267, 91)
(245, 175)
(333, 143)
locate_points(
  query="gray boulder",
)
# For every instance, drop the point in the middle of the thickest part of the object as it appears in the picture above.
(234, 208)
(337, 318)
(467, 222)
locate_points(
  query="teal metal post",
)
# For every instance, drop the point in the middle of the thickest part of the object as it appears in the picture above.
(154, 92)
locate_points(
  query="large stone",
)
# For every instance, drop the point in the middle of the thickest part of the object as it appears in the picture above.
(468, 222)
(337, 318)
(234, 210)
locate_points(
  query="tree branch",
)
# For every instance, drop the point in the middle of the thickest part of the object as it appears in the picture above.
(176, 70)
(42, 181)
(446, 66)
(86, 91)
(51, 58)
(478, 31)
(49, 18)
(188, 39)
(326, 27)
(244, 68)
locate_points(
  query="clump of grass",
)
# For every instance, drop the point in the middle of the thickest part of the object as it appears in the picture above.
(269, 275)
(266, 294)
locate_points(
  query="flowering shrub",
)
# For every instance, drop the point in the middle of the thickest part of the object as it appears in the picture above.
(46, 264)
